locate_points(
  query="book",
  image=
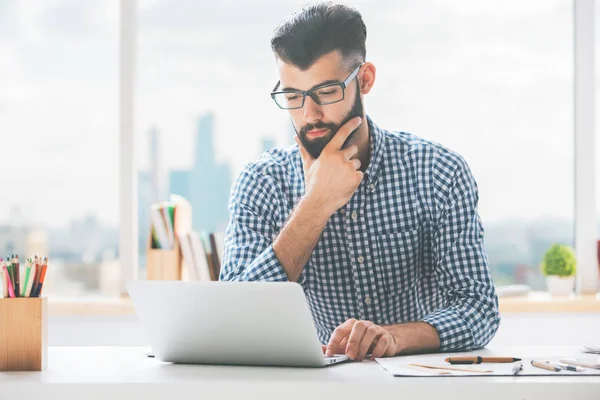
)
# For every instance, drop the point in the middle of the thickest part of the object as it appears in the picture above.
(168, 212)
(200, 258)
(182, 215)
(188, 256)
(216, 262)
(220, 244)
(158, 224)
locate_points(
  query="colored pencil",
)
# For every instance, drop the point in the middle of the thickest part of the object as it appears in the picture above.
(11, 291)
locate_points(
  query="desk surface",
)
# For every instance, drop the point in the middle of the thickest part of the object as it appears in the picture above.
(116, 372)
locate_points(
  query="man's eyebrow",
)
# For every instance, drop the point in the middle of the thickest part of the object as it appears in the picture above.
(315, 86)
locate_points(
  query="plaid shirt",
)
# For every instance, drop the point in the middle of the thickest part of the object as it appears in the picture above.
(408, 246)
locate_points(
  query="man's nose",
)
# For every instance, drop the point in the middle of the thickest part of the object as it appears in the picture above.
(312, 111)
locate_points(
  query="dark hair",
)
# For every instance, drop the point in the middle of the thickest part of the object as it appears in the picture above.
(318, 29)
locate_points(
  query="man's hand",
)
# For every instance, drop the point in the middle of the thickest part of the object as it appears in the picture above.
(358, 338)
(332, 179)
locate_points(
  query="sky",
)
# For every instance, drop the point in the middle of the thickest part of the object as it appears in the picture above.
(491, 80)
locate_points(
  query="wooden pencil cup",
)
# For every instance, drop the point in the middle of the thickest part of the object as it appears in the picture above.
(163, 264)
(23, 334)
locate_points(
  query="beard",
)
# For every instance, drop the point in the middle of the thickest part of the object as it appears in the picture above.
(316, 146)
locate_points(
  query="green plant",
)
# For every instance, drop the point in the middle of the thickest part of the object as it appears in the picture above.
(559, 260)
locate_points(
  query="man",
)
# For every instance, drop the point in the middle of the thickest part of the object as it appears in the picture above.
(380, 228)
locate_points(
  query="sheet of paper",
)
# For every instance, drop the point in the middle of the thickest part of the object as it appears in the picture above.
(412, 366)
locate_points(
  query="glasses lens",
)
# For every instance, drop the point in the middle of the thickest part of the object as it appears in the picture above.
(329, 94)
(289, 100)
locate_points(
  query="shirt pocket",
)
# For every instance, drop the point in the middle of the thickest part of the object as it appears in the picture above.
(398, 260)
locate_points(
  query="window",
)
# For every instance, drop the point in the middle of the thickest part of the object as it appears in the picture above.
(472, 76)
(476, 78)
(59, 140)
(203, 108)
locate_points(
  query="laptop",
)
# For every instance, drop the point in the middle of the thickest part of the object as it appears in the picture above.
(232, 323)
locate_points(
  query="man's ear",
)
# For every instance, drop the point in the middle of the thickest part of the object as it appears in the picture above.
(366, 77)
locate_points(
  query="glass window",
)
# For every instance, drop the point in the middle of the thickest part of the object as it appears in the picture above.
(59, 140)
(471, 75)
(475, 77)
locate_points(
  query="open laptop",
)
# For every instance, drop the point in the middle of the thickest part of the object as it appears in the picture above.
(236, 323)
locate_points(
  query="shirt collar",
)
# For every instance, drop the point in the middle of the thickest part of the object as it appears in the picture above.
(375, 143)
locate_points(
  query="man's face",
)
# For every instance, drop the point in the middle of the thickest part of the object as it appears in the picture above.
(317, 124)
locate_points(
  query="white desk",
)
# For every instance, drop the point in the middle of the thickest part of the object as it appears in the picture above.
(124, 372)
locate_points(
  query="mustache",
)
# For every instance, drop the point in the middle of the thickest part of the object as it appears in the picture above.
(317, 125)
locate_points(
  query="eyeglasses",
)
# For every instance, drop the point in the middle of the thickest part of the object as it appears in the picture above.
(325, 94)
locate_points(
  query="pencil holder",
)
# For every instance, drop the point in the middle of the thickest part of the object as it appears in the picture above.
(163, 264)
(23, 334)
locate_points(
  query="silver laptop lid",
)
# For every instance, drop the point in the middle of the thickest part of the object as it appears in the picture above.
(247, 323)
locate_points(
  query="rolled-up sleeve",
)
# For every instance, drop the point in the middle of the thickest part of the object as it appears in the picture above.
(254, 220)
(469, 318)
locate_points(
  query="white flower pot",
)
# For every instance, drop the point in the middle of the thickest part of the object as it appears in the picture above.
(559, 285)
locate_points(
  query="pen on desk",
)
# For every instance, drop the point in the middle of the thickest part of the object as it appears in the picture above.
(517, 367)
(479, 360)
(569, 367)
(545, 365)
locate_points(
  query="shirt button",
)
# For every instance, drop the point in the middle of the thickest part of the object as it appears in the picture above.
(368, 300)
(354, 215)
(372, 187)
(361, 259)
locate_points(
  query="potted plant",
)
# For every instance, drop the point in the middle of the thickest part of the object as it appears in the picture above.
(559, 266)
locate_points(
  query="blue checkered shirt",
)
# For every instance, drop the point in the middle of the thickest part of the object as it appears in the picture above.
(408, 246)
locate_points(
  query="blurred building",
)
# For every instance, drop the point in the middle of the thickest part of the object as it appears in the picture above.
(266, 144)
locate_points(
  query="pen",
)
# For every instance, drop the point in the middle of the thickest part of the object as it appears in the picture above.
(569, 367)
(545, 365)
(577, 363)
(517, 367)
(479, 360)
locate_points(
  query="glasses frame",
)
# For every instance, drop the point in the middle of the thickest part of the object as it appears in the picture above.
(311, 93)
